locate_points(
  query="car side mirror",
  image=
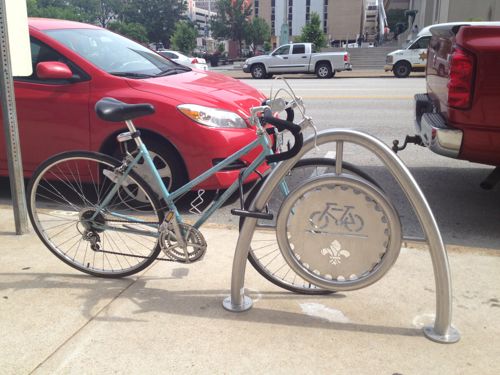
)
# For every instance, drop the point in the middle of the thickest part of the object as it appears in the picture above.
(53, 70)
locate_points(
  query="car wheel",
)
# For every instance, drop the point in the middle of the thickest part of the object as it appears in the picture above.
(402, 69)
(324, 70)
(258, 71)
(168, 164)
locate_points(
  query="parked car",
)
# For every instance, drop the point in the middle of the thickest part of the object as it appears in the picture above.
(413, 58)
(76, 64)
(297, 58)
(459, 116)
(193, 62)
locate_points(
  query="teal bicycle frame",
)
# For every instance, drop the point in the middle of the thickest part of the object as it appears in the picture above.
(262, 140)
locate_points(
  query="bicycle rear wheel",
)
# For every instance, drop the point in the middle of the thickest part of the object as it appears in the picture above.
(265, 255)
(116, 240)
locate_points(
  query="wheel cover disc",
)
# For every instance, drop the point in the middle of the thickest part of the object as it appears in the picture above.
(338, 232)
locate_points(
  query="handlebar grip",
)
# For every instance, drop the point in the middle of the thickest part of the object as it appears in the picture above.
(282, 125)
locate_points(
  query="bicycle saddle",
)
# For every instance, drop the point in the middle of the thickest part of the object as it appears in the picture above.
(110, 109)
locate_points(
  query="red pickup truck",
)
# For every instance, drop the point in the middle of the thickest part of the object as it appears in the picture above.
(459, 116)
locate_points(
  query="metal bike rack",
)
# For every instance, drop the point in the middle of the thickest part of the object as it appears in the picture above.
(442, 331)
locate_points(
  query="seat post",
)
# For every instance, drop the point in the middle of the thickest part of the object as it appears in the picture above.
(134, 133)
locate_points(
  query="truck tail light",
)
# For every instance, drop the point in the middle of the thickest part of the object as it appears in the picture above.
(346, 57)
(460, 80)
(194, 61)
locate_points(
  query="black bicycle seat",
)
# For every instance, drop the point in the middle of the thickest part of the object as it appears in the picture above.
(110, 109)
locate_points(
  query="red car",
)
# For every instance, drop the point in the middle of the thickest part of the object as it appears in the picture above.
(76, 64)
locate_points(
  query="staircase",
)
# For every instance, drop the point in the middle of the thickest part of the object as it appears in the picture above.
(368, 58)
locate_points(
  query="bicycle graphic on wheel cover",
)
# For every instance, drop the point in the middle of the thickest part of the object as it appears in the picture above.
(342, 216)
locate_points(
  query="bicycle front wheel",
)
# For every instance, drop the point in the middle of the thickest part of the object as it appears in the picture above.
(265, 255)
(68, 211)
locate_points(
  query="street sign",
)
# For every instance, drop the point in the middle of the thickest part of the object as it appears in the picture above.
(19, 38)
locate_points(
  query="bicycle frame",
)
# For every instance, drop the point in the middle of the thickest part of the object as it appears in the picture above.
(169, 197)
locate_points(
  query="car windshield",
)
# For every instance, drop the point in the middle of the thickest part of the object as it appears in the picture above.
(115, 54)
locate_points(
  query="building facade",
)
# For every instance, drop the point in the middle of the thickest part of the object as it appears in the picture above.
(341, 19)
(439, 11)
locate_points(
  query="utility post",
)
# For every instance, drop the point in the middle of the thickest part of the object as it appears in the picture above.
(9, 115)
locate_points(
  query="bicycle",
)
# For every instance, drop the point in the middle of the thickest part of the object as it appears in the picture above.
(83, 205)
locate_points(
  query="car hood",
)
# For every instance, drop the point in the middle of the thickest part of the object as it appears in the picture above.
(204, 88)
(396, 52)
(251, 60)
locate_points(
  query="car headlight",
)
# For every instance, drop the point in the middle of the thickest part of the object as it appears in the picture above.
(212, 117)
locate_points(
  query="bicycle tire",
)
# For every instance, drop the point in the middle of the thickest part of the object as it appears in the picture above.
(65, 190)
(272, 266)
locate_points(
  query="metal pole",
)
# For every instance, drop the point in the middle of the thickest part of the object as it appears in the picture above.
(10, 128)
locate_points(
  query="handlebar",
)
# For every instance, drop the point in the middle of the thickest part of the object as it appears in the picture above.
(282, 125)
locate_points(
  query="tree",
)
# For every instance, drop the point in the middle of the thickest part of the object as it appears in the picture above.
(158, 16)
(134, 31)
(231, 20)
(184, 37)
(257, 32)
(99, 12)
(54, 9)
(312, 32)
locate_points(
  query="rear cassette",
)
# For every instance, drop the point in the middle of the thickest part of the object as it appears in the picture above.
(339, 232)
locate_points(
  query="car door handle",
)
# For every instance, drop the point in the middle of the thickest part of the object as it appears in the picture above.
(285, 58)
(304, 57)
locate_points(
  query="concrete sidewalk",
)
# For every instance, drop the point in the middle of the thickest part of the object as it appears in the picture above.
(169, 319)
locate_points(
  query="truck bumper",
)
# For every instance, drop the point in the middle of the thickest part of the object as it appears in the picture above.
(246, 68)
(388, 68)
(347, 66)
(433, 130)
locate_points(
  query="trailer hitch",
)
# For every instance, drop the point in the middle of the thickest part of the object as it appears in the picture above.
(409, 139)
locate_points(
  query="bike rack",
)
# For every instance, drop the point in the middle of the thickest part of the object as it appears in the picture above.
(442, 331)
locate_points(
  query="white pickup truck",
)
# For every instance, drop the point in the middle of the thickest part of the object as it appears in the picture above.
(297, 58)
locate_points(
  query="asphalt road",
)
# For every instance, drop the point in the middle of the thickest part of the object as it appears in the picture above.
(467, 215)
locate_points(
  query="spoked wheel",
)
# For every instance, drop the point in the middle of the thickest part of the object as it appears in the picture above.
(67, 209)
(265, 255)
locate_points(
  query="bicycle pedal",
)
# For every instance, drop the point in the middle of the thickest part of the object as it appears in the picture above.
(254, 214)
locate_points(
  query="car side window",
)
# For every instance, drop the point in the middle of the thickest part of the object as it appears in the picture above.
(421, 43)
(299, 49)
(282, 51)
(40, 52)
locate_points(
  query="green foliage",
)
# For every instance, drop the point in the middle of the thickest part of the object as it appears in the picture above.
(158, 16)
(184, 37)
(267, 46)
(54, 9)
(99, 12)
(257, 32)
(134, 31)
(231, 20)
(312, 32)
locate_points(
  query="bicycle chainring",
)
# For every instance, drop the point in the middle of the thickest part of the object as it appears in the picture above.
(196, 246)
